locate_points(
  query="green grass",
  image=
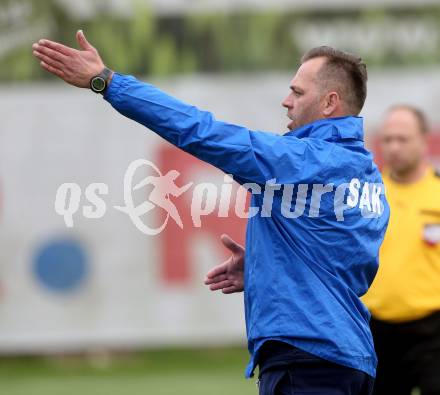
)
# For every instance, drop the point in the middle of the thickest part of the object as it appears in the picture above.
(166, 372)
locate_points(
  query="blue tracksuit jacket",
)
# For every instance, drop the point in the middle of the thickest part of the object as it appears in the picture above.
(304, 271)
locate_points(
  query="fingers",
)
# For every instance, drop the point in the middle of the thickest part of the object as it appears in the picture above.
(67, 51)
(218, 270)
(50, 53)
(216, 279)
(221, 285)
(230, 290)
(231, 244)
(46, 59)
(50, 60)
(82, 41)
(53, 70)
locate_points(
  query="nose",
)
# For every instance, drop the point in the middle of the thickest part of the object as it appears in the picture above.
(287, 102)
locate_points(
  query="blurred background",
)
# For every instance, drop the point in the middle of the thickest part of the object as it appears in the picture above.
(101, 308)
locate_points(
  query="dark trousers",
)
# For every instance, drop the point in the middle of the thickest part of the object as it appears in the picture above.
(409, 356)
(286, 370)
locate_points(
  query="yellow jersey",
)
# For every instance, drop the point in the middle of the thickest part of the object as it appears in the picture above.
(407, 284)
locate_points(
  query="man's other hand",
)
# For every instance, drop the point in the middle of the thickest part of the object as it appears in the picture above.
(76, 67)
(229, 275)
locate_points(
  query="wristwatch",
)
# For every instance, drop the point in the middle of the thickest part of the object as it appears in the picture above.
(99, 83)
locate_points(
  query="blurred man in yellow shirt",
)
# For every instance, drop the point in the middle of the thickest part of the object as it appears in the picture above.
(404, 298)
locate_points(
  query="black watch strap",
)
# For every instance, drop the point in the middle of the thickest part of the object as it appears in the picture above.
(99, 83)
(106, 73)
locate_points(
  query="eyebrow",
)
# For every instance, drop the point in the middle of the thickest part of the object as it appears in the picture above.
(296, 88)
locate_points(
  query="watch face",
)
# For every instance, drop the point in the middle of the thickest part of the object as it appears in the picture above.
(98, 84)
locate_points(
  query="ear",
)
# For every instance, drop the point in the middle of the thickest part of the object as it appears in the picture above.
(425, 146)
(331, 103)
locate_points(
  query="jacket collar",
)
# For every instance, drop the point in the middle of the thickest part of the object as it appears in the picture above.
(332, 129)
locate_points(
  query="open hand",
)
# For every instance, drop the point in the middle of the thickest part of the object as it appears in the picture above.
(229, 275)
(76, 67)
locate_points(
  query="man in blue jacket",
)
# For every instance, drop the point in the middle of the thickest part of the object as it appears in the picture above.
(306, 265)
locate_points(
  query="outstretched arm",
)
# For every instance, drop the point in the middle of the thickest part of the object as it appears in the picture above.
(251, 156)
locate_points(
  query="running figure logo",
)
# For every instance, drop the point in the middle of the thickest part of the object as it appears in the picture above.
(163, 187)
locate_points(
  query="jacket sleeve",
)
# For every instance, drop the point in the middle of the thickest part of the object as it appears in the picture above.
(250, 156)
